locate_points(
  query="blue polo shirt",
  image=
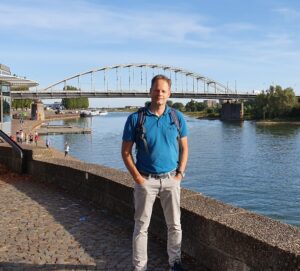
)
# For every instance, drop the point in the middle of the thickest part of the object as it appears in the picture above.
(161, 135)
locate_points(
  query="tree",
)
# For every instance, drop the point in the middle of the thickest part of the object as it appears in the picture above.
(24, 103)
(280, 101)
(6, 107)
(260, 106)
(200, 106)
(276, 102)
(74, 103)
(178, 106)
(68, 87)
(295, 113)
(191, 106)
(170, 103)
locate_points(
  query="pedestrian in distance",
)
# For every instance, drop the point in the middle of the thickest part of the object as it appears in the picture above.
(36, 138)
(160, 135)
(25, 138)
(67, 149)
(21, 135)
(48, 142)
(30, 138)
(18, 136)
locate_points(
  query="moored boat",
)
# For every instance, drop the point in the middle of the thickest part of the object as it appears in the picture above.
(103, 113)
(92, 113)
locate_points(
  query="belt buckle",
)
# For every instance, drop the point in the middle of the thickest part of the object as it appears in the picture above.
(159, 176)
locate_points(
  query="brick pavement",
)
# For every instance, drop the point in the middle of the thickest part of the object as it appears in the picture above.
(43, 228)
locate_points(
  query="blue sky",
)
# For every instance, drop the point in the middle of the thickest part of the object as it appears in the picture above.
(255, 43)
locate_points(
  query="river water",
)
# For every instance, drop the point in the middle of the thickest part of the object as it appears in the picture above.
(250, 165)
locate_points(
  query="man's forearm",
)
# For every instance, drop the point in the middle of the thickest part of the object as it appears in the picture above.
(129, 162)
(183, 155)
(130, 165)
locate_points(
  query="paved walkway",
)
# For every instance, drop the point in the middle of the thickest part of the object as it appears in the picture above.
(42, 228)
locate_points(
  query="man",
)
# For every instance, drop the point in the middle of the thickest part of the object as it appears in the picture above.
(48, 142)
(67, 149)
(159, 169)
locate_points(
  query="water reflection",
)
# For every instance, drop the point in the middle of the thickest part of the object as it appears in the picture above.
(278, 129)
(233, 123)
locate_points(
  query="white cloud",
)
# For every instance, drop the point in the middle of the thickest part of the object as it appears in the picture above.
(103, 23)
(288, 13)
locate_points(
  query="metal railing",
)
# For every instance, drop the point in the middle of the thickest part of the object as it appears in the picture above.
(13, 144)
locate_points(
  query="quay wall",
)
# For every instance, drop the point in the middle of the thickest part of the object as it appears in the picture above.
(219, 236)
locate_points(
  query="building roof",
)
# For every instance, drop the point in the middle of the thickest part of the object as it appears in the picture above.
(15, 81)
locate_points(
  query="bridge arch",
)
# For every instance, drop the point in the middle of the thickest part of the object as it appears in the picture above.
(136, 77)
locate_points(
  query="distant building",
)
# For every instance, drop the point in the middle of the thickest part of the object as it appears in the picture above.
(8, 82)
(210, 103)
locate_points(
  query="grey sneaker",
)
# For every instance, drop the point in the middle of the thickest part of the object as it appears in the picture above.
(176, 267)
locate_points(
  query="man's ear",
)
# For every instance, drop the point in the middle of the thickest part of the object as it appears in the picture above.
(169, 93)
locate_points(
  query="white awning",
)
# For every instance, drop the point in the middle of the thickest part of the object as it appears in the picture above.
(15, 81)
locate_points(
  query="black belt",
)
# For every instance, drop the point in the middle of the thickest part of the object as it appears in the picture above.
(159, 176)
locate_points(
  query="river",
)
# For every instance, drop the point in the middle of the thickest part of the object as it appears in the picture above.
(250, 165)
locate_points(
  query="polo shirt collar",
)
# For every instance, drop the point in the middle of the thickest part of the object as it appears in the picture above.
(167, 110)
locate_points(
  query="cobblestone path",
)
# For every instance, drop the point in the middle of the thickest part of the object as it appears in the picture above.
(42, 228)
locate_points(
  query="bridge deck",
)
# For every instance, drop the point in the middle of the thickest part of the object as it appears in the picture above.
(42, 228)
(114, 94)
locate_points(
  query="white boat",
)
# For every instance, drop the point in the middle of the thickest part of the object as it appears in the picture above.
(103, 113)
(85, 113)
(92, 113)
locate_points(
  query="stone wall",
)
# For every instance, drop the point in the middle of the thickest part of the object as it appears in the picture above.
(12, 159)
(219, 236)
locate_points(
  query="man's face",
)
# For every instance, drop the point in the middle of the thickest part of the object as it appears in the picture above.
(160, 92)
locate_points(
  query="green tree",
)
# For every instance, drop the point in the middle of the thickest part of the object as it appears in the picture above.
(170, 103)
(6, 107)
(249, 108)
(275, 102)
(200, 106)
(74, 103)
(68, 87)
(178, 106)
(191, 106)
(295, 113)
(24, 103)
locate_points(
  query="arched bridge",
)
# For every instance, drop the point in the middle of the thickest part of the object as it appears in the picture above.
(133, 80)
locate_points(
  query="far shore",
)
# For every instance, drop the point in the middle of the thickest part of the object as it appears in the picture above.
(274, 122)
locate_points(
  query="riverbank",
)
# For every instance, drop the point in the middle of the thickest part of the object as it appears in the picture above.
(272, 122)
(201, 115)
(30, 126)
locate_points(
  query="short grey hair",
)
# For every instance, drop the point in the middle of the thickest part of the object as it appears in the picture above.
(160, 77)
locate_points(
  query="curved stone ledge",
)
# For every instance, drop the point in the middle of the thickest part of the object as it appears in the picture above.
(219, 236)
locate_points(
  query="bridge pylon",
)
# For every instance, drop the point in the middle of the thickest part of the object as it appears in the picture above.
(232, 111)
(37, 110)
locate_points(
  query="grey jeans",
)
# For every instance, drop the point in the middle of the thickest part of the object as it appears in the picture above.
(168, 189)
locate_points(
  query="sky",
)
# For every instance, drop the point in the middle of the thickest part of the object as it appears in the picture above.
(253, 44)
